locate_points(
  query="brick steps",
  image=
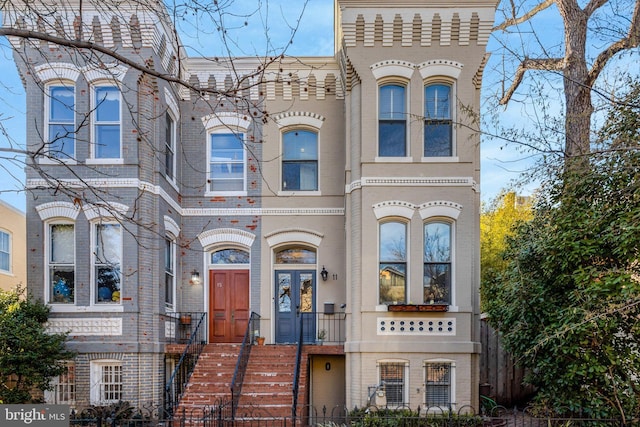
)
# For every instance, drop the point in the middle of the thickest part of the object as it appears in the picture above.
(268, 381)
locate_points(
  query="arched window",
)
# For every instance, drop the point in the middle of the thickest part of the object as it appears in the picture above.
(437, 263)
(438, 133)
(392, 121)
(393, 262)
(230, 257)
(296, 255)
(300, 160)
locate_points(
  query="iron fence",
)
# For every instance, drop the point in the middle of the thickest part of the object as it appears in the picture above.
(330, 327)
(220, 414)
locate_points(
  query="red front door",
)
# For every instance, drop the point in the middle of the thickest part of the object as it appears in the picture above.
(228, 305)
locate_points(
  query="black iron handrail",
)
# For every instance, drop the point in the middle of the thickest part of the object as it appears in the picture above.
(330, 327)
(250, 334)
(179, 378)
(296, 372)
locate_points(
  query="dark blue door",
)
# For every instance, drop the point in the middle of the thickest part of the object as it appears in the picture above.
(295, 299)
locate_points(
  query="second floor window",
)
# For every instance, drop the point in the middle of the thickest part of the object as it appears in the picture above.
(106, 136)
(300, 161)
(61, 264)
(227, 162)
(392, 122)
(169, 146)
(437, 263)
(61, 122)
(107, 263)
(5, 251)
(437, 121)
(393, 262)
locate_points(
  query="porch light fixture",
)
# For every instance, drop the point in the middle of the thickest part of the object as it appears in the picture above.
(195, 277)
(324, 273)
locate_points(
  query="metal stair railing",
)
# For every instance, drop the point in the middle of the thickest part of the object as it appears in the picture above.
(296, 372)
(252, 331)
(186, 364)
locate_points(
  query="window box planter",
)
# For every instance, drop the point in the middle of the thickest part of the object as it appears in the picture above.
(419, 307)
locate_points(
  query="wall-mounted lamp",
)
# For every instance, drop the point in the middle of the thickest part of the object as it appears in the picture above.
(324, 274)
(195, 277)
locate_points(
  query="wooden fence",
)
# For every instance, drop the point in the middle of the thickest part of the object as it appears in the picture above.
(500, 377)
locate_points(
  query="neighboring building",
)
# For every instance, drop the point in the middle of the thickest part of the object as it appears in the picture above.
(365, 169)
(13, 252)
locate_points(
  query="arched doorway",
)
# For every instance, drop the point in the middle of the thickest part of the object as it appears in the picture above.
(228, 295)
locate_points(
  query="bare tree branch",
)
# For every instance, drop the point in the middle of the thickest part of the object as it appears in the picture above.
(630, 41)
(524, 18)
(546, 64)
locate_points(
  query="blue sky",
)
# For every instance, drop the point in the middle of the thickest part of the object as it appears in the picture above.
(314, 38)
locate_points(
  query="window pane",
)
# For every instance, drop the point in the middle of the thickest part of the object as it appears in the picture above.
(226, 167)
(392, 103)
(169, 145)
(306, 292)
(107, 104)
(437, 242)
(61, 140)
(437, 102)
(437, 139)
(393, 241)
(62, 284)
(108, 243)
(5, 253)
(299, 176)
(300, 145)
(392, 137)
(61, 104)
(393, 252)
(296, 256)
(230, 256)
(62, 244)
(392, 376)
(437, 283)
(107, 263)
(107, 141)
(108, 284)
(284, 292)
(438, 384)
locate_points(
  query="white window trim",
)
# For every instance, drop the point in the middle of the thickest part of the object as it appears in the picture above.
(171, 308)
(51, 396)
(407, 101)
(453, 223)
(174, 143)
(46, 160)
(95, 379)
(8, 272)
(92, 152)
(405, 386)
(307, 125)
(407, 287)
(114, 307)
(453, 158)
(452, 380)
(47, 270)
(226, 130)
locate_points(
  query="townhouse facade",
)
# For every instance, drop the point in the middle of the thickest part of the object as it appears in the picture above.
(13, 254)
(280, 186)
